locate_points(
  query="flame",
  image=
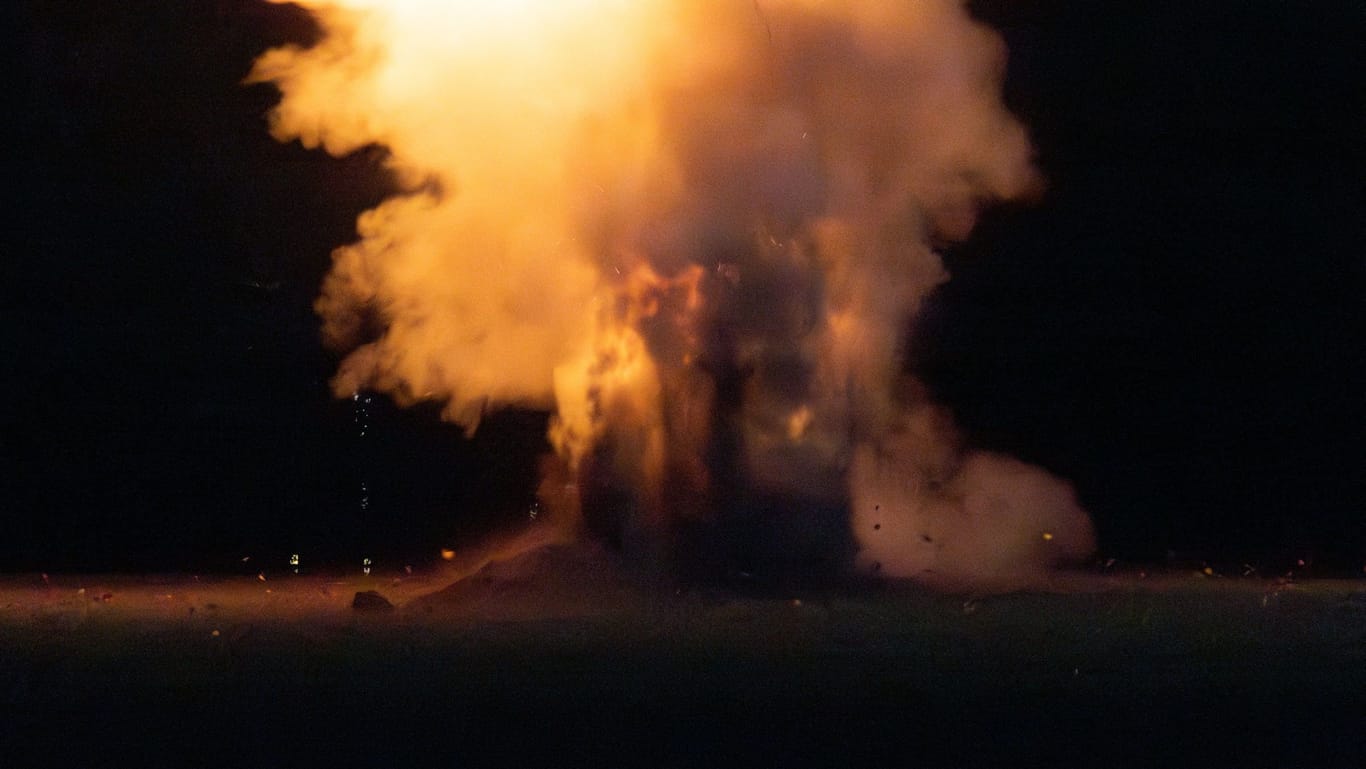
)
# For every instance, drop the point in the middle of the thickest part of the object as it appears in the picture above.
(661, 219)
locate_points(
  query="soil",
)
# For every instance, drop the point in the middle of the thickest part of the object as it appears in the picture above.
(558, 659)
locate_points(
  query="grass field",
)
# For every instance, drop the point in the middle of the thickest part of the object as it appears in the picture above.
(1176, 669)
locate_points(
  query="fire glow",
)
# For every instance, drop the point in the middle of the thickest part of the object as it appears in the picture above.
(695, 231)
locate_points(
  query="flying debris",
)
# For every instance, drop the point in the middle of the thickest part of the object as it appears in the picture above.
(263, 286)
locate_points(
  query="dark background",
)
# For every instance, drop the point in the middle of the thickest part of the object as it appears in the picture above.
(1177, 326)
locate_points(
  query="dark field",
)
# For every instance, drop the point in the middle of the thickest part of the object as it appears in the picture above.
(1172, 670)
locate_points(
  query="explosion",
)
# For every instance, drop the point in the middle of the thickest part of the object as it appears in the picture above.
(697, 232)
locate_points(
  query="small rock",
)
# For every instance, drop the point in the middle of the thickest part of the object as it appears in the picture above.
(369, 600)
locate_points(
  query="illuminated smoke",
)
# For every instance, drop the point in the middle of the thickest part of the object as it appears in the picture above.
(697, 232)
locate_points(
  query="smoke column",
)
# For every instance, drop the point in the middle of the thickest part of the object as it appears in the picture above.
(695, 231)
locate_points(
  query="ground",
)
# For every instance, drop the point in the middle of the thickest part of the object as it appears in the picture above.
(1177, 669)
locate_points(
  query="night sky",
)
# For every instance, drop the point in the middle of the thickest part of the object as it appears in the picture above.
(1177, 325)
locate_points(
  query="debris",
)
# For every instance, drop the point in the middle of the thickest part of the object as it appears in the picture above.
(370, 600)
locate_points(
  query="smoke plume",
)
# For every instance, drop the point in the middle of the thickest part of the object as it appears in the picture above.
(695, 231)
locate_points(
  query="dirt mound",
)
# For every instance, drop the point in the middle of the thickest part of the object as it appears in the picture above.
(560, 580)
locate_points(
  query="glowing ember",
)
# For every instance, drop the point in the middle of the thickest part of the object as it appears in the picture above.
(698, 232)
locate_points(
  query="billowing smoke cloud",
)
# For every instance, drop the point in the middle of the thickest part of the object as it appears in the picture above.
(698, 232)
